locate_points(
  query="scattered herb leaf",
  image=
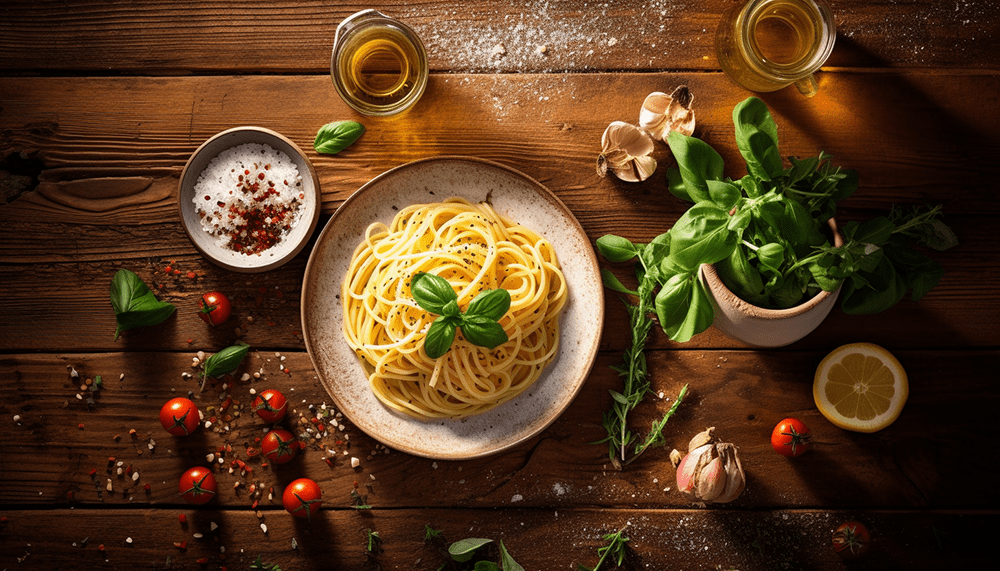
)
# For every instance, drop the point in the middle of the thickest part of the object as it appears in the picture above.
(616, 549)
(134, 303)
(337, 136)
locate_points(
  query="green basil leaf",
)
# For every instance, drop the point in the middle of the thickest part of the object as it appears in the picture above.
(616, 249)
(126, 289)
(724, 194)
(683, 307)
(486, 566)
(134, 304)
(701, 236)
(675, 184)
(655, 251)
(483, 331)
(225, 361)
(337, 136)
(771, 256)
(431, 292)
(875, 231)
(697, 163)
(492, 304)
(740, 277)
(439, 337)
(451, 309)
(507, 561)
(463, 549)
(611, 282)
(757, 138)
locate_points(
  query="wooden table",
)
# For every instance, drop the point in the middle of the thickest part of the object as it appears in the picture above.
(102, 103)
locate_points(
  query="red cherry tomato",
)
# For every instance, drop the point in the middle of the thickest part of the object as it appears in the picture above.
(279, 446)
(302, 498)
(852, 540)
(215, 308)
(197, 485)
(270, 405)
(180, 416)
(790, 437)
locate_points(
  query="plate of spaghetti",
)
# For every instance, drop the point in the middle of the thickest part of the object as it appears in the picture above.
(478, 226)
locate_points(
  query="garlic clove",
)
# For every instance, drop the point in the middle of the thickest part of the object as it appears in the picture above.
(689, 469)
(625, 153)
(702, 438)
(735, 478)
(711, 480)
(662, 113)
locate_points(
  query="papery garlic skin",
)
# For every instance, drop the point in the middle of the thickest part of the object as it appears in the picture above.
(625, 152)
(711, 472)
(662, 113)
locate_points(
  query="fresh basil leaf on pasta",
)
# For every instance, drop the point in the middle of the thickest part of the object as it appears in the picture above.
(439, 337)
(492, 304)
(432, 292)
(483, 331)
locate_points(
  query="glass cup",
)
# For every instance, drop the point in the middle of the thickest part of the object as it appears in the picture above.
(765, 45)
(379, 65)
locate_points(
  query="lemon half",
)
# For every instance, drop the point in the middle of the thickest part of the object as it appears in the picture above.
(860, 387)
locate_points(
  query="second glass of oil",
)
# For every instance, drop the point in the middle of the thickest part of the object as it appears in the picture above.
(379, 65)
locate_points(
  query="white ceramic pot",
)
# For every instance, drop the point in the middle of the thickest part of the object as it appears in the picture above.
(762, 327)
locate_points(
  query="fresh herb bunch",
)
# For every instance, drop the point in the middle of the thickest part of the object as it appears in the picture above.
(468, 554)
(763, 233)
(479, 322)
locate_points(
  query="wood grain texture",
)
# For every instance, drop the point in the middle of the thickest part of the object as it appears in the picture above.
(903, 141)
(921, 460)
(158, 37)
(537, 539)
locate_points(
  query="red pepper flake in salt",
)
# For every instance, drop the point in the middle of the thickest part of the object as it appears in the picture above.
(202, 561)
(177, 272)
(191, 275)
(182, 545)
(278, 293)
(147, 488)
(80, 426)
(167, 270)
(93, 472)
(183, 518)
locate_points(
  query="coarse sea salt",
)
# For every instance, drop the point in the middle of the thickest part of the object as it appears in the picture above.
(249, 197)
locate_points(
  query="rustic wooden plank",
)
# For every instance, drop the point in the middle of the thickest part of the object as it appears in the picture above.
(66, 307)
(537, 539)
(549, 125)
(935, 141)
(286, 36)
(921, 460)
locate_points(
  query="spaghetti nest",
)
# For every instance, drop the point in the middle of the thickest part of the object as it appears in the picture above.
(475, 249)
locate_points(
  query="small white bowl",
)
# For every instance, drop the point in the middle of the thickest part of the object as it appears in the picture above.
(208, 245)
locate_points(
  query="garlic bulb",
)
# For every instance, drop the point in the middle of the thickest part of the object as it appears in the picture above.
(625, 153)
(711, 471)
(662, 113)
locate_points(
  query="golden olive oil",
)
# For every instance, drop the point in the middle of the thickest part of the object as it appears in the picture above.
(379, 69)
(765, 45)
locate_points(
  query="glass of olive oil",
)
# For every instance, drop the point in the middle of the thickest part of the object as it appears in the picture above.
(379, 65)
(765, 45)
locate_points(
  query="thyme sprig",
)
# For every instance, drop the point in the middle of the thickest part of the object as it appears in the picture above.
(633, 371)
(616, 548)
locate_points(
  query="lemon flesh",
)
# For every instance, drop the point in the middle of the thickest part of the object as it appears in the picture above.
(860, 387)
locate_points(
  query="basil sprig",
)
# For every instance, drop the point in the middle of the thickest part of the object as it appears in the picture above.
(337, 136)
(225, 361)
(764, 234)
(134, 304)
(478, 324)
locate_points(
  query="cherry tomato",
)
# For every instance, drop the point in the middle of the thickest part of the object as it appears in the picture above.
(852, 540)
(197, 485)
(302, 498)
(215, 308)
(270, 405)
(180, 416)
(790, 437)
(279, 446)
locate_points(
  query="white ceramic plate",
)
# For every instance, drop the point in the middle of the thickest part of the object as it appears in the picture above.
(291, 244)
(511, 193)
